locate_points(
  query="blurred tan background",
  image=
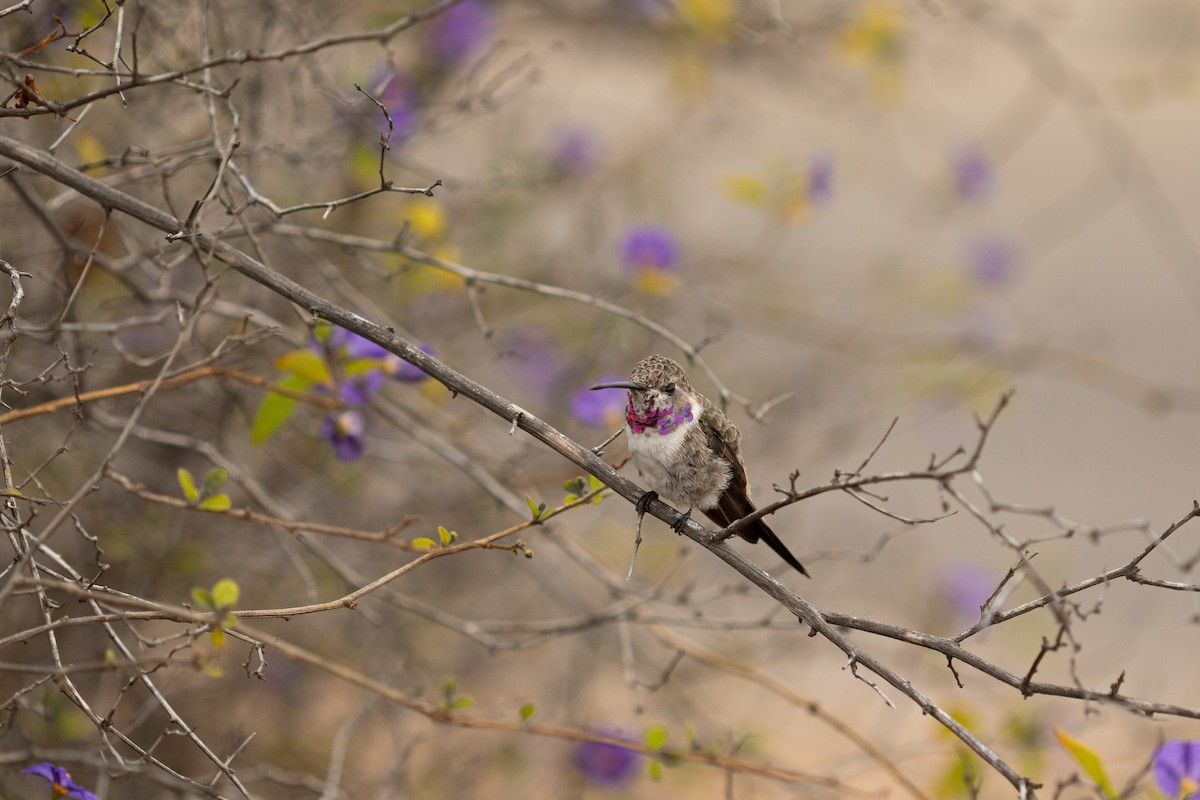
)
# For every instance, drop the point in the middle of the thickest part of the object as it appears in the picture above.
(879, 211)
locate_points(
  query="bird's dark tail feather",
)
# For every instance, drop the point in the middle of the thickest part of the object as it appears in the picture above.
(768, 536)
(754, 532)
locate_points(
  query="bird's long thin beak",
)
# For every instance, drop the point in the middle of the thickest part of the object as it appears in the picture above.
(619, 385)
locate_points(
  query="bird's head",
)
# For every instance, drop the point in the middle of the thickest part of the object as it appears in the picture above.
(658, 388)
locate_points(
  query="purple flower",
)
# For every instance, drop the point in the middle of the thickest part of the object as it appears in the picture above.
(60, 781)
(973, 177)
(344, 430)
(399, 369)
(966, 588)
(357, 391)
(535, 359)
(992, 259)
(820, 179)
(353, 345)
(649, 247)
(399, 97)
(1177, 769)
(345, 346)
(607, 765)
(460, 31)
(599, 409)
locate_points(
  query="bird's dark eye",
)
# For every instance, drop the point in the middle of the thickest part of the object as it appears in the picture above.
(669, 388)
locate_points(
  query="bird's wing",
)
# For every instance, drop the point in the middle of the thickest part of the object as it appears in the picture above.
(734, 502)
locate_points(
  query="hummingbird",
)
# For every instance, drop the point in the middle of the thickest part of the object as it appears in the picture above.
(688, 452)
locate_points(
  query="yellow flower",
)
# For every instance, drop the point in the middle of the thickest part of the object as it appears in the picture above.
(784, 192)
(90, 151)
(710, 18)
(875, 40)
(745, 188)
(876, 33)
(656, 282)
(426, 218)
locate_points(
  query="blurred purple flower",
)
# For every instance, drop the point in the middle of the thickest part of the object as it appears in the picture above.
(354, 346)
(399, 97)
(599, 409)
(347, 346)
(992, 259)
(1177, 769)
(357, 391)
(344, 430)
(536, 359)
(460, 31)
(649, 247)
(399, 369)
(574, 151)
(60, 781)
(820, 179)
(966, 588)
(607, 765)
(973, 177)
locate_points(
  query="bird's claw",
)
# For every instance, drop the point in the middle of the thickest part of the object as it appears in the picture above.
(681, 522)
(643, 503)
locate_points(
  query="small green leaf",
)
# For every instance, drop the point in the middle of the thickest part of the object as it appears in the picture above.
(305, 364)
(656, 737)
(594, 483)
(464, 701)
(202, 598)
(575, 486)
(321, 331)
(218, 637)
(212, 670)
(188, 484)
(225, 593)
(527, 711)
(654, 769)
(1088, 760)
(424, 543)
(218, 502)
(534, 508)
(215, 480)
(446, 536)
(275, 409)
(571, 498)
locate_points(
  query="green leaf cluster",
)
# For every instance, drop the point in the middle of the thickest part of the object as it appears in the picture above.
(302, 369)
(537, 509)
(451, 699)
(580, 486)
(445, 539)
(222, 597)
(209, 496)
(655, 740)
